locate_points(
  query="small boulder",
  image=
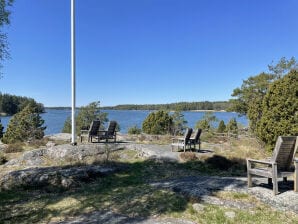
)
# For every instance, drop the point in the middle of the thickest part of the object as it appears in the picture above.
(50, 144)
(198, 207)
(230, 214)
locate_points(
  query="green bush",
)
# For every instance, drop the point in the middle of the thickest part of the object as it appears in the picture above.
(232, 126)
(26, 125)
(206, 123)
(134, 130)
(158, 123)
(221, 127)
(280, 106)
(85, 116)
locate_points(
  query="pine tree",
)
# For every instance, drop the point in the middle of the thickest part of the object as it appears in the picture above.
(179, 123)
(157, 123)
(26, 125)
(221, 127)
(85, 116)
(232, 126)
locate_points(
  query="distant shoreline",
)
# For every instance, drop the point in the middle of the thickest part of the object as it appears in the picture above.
(207, 110)
(69, 108)
(178, 106)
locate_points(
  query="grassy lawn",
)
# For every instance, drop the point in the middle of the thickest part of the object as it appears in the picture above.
(128, 192)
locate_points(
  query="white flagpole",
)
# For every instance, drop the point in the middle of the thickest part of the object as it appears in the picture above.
(73, 74)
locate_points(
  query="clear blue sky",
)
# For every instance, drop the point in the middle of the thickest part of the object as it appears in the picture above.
(145, 51)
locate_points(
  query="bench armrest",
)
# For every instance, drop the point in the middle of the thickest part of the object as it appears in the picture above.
(180, 139)
(260, 161)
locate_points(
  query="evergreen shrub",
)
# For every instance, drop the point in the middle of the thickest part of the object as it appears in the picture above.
(26, 125)
(280, 110)
(134, 130)
(157, 123)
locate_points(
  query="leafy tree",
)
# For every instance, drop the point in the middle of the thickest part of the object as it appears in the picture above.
(85, 116)
(280, 109)
(283, 67)
(232, 126)
(4, 20)
(26, 125)
(179, 123)
(221, 127)
(157, 123)
(206, 123)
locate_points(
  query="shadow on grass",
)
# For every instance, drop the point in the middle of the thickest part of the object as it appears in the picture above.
(138, 190)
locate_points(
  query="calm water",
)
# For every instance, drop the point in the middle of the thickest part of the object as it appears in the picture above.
(54, 119)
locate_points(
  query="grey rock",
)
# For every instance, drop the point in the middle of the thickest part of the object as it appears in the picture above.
(50, 144)
(198, 207)
(230, 214)
(52, 176)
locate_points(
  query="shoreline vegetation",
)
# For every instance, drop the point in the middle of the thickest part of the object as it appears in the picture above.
(217, 106)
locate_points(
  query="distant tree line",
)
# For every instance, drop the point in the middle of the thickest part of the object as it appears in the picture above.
(11, 104)
(180, 106)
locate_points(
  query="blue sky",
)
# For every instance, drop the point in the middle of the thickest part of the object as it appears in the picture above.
(145, 51)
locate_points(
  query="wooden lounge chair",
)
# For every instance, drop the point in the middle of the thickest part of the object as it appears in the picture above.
(110, 133)
(278, 166)
(196, 139)
(92, 131)
(182, 142)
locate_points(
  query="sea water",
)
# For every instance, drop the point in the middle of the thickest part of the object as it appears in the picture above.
(55, 118)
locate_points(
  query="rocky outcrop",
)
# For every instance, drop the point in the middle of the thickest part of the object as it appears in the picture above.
(61, 153)
(53, 176)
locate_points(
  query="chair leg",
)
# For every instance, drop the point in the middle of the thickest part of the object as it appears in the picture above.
(249, 180)
(274, 179)
(275, 186)
(285, 179)
(296, 177)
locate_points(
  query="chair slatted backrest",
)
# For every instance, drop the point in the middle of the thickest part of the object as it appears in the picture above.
(111, 128)
(187, 135)
(94, 127)
(197, 135)
(284, 152)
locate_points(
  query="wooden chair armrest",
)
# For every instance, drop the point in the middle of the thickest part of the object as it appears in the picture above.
(180, 139)
(260, 161)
